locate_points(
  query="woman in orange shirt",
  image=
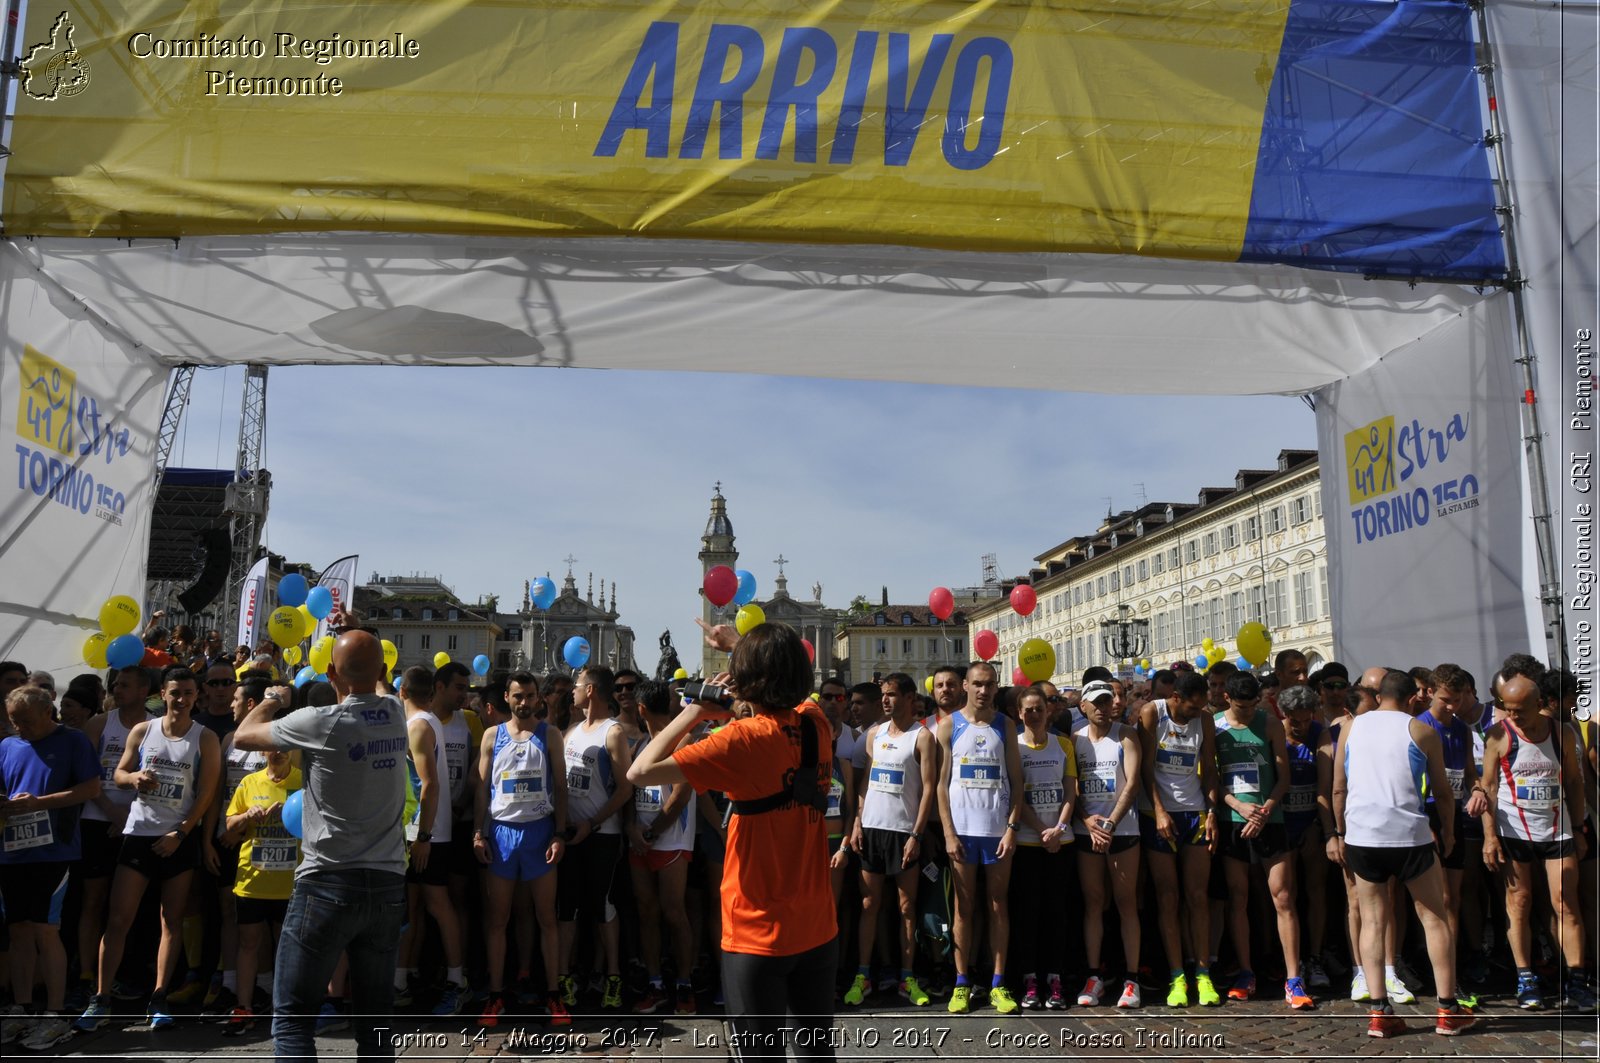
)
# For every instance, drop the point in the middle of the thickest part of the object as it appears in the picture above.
(779, 937)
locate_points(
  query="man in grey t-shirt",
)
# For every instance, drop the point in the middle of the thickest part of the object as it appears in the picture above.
(349, 893)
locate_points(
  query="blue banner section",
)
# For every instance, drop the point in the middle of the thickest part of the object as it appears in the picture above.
(1372, 156)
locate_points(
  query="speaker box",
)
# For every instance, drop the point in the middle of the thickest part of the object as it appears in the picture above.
(218, 544)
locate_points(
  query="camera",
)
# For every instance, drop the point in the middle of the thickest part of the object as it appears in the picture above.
(708, 692)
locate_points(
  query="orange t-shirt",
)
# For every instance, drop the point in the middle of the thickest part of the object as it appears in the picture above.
(776, 896)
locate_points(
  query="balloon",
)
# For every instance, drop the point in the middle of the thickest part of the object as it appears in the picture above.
(985, 644)
(1145, 664)
(391, 655)
(941, 603)
(1215, 654)
(811, 651)
(747, 587)
(292, 590)
(721, 584)
(293, 811)
(1023, 599)
(1036, 659)
(1201, 663)
(319, 602)
(124, 651)
(304, 676)
(927, 684)
(1018, 678)
(441, 659)
(1255, 642)
(291, 655)
(283, 626)
(576, 652)
(680, 673)
(1206, 644)
(542, 591)
(94, 650)
(119, 616)
(321, 653)
(748, 618)
(1138, 670)
(1243, 664)
(480, 664)
(308, 623)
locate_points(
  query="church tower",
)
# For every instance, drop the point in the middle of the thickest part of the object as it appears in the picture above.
(716, 548)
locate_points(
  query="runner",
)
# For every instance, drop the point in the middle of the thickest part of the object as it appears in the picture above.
(1039, 879)
(1306, 740)
(1109, 770)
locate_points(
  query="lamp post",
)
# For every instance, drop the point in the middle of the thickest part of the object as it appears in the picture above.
(1125, 636)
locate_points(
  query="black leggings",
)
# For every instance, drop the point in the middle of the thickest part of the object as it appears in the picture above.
(1039, 911)
(776, 1002)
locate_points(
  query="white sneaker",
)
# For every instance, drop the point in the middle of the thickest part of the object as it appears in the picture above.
(47, 1033)
(1093, 990)
(1398, 993)
(1358, 986)
(1130, 995)
(16, 1026)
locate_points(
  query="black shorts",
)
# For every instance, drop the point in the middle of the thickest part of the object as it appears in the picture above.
(1375, 863)
(463, 858)
(1271, 843)
(1456, 858)
(1587, 830)
(1526, 852)
(1120, 843)
(34, 893)
(227, 866)
(882, 851)
(138, 852)
(260, 910)
(584, 885)
(437, 873)
(101, 847)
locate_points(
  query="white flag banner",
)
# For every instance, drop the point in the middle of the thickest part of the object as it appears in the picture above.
(80, 407)
(253, 605)
(340, 579)
(1425, 508)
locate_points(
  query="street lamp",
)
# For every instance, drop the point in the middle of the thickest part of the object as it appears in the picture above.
(1126, 636)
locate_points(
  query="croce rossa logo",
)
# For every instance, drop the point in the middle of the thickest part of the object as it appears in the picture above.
(54, 69)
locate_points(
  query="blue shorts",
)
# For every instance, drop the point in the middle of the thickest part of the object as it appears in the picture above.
(1296, 825)
(1189, 827)
(980, 850)
(516, 850)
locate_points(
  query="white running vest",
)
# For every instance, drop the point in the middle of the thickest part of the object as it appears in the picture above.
(520, 783)
(1102, 776)
(980, 791)
(1383, 770)
(113, 740)
(457, 743)
(236, 764)
(1042, 784)
(1177, 767)
(176, 764)
(441, 812)
(893, 779)
(1529, 803)
(590, 782)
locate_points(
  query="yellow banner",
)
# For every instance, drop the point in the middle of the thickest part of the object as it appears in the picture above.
(1103, 125)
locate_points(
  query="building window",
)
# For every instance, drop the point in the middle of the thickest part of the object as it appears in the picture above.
(427, 642)
(1158, 637)
(881, 646)
(1214, 617)
(1255, 604)
(880, 619)
(427, 614)
(958, 648)
(1252, 529)
(906, 619)
(1127, 575)
(1305, 597)
(905, 648)
(1322, 577)
(1077, 596)
(1083, 662)
(1144, 570)
(1230, 536)
(1211, 544)
(399, 640)
(1275, 519)
(1191, 551)
(1172, 558)
(1100, 587)
(503, 659)
(1235, 611)
(1316, 503)
(1158, 563)
(455, 614)
(450, 643)
(1116, 580)
(399, 613)
(1299, 509)
(513, 634)
(1278, 604)
(1197, 622)
(933, 649)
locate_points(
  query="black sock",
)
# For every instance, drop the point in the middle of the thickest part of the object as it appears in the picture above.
(1447, 1002)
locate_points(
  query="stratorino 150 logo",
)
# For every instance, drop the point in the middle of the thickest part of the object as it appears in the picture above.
(55, 69)
(1369, 460)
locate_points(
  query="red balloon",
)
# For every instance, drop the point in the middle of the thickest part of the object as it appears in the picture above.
(941, 603)
(985, 644)
(722, 583)
(1019, 678)
(811, 651)
(1023, 599)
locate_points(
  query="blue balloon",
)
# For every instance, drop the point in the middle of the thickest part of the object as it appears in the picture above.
(543, 592)
(1244, 665)
(747, 587)
(1201, 663)
(304, 676)
(292, 590)
(125, 651)
(293, 813)
(480, 664)
(576, 652)
(319, 602)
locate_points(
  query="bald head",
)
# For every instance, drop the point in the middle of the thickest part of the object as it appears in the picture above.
(357, 663)
(1520, 696)
(1372, 678)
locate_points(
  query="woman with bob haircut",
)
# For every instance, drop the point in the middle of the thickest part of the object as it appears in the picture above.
(779, 936)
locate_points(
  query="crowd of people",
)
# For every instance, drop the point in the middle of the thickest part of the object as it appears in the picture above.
(547, 845)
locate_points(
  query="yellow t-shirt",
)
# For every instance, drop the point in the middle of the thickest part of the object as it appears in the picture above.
(269, 853)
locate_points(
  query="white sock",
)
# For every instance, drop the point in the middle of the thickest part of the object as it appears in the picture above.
(400, 974)
(454, 975)
(1388, 973)
(230, 982)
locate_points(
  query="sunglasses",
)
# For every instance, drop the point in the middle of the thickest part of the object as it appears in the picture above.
(1335, 684)
(1053, 698)
(624, 688)
(222, 682)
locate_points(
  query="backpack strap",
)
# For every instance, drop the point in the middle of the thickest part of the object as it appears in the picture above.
(803, 788)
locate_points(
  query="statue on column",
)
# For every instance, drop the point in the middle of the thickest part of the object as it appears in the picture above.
(669, 663)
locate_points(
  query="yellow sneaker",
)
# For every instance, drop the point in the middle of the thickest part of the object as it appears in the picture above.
(960, 1000)
(1178, 995)
(857, 991)
(913, 993)
(1002, 1000)
(1205, 992)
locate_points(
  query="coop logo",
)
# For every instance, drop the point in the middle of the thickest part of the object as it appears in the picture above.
(55, 69)
(1400, 477)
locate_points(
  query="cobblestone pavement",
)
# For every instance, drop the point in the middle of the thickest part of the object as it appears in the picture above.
(1259, 1030)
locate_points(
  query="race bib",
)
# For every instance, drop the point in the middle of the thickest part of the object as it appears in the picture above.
(169, 790)
(1538, 792)
(979, 775)
(1458, 781)
(1101, 781)
(1299, 800)
(30, 830)
(1176, 761)
(647, 800)
(890, 781)
(275, 854)
(835, 799)
(522, 785)
(1045, 797)
(1243, 778)
(578, 778)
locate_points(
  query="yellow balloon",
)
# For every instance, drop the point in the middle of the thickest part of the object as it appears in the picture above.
(1037, 659)
(94, 650)
(321, 655)
(291, 654)
(681, 673)
(441, 659)
(283, 626)
(1255, 643)
(391, 656)
(1215, 654)
(1206, 644)
(119, 616)
(748, 617)
(1145, 664)
(927, 684)
(308, 623)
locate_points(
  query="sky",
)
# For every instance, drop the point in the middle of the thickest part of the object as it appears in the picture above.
(487, 477)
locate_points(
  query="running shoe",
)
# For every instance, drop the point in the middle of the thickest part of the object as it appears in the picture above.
(858, 991)
(157, 1015)
(492, 1010)
(612, 1000)
(1056, 1001)
(406, 995)
(1579, 997)
(17, 1025)
(888, 982)
(685, 1003)
(1294, 993)
(1382, 1022)
(654, 999)
(912, 993)
(123, 991)
(1316, 977)
(240, 1021)
(1093, 991)
(569, 990)
(214, 993)
(1466, 1000)
(1178, 993)
(450, 1000)
(191, 992)
(79, 995)
(1205, 991)
(330, 1019)
(47, 1033)
(1030, 993)
(1358, 986)
(960, 1000)
(1003, 1001)
(1243, 987)
(96, 1015)
(1530, 995)
(559, 1015)
(1130, 995)
(1453, 1021)
(1398, 993)
(221, 1007)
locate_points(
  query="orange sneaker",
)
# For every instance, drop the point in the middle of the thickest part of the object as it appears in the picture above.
(559, 1015)
(1384, 1023)
(1453, 1021)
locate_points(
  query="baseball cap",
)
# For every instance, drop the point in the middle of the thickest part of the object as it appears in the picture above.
(1097, 690)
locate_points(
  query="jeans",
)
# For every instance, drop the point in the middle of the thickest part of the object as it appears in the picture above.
(779, 1002)
(355, 911)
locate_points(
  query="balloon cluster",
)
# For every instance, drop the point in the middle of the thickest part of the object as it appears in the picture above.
(115, 645)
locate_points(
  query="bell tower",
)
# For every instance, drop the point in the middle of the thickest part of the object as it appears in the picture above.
(716, 548)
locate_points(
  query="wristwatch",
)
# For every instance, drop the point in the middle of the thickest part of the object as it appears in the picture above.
(1013, 826)
(424, 836)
